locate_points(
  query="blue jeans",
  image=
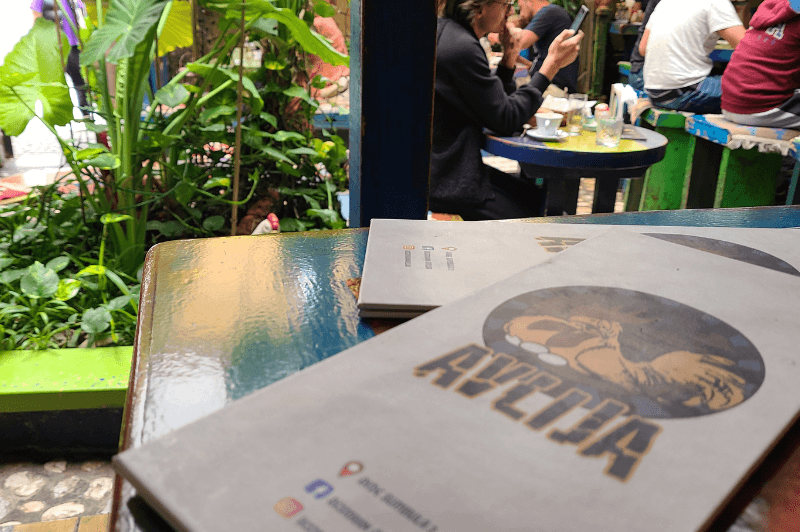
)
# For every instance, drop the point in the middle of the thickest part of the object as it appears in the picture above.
(705, 99)
(636, 80)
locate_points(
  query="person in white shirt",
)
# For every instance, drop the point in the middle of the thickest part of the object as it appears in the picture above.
(676, 45)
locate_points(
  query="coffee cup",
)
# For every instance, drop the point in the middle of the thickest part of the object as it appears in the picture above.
(547, 123)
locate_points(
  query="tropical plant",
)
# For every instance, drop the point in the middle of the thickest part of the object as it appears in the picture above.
(57, 290)
(147, 169)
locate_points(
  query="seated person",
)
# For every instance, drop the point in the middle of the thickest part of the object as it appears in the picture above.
(676, 43)
(469, 97)
(761, 84)
(636, 77)
(547, 21)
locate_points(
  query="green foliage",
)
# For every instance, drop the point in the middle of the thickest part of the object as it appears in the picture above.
(69, 263)
(31, 72)
(126, 25)
(54, 289)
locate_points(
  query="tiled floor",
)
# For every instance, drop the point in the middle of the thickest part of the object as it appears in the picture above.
(52, 491)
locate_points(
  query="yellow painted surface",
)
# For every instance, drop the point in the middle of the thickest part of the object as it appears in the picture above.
(62, 525)
(89, 523)
(94, 523)
(585, 142)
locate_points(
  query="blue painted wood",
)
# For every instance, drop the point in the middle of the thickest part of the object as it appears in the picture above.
(777, 217)
(391, 105)
(331, 121)
(722, 56)
(355, 111)
(697, 125)
(527, 150)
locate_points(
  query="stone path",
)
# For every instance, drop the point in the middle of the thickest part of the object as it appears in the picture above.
(50, 491)
(37, 153)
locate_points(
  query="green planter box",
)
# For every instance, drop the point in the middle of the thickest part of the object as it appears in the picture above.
(64, 379)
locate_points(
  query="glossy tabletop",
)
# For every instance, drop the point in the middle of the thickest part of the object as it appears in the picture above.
(580, 154)
(564, 162)
(221, 318)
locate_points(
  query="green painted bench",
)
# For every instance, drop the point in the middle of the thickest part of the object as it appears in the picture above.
(794, 151)
(64, 379)
(666, 184)
(749, 161)
(624, 68)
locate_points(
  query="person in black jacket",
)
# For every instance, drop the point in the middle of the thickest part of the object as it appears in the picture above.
(470, 97)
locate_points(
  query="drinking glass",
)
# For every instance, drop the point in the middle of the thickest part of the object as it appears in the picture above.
(609, 131)
(576, 113)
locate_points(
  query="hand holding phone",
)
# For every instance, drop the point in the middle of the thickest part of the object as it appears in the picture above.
(576, 24)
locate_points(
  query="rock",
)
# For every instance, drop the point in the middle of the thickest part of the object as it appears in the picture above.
(65, 486)
(32, 506)
(4, 506)
(92, 466)
(16, 480)
(56, 466)
(99, 488)
(63, 511)
(10, 523)
(24, 484)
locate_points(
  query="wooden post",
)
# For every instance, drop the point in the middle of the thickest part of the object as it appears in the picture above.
(602, 20)
(392, 56)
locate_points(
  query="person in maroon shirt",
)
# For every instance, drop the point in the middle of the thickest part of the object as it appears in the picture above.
(761, 84)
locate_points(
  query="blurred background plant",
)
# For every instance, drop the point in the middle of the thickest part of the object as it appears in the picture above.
(169, 169)
(56, 289)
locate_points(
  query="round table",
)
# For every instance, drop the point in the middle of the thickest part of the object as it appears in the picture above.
(563, 163)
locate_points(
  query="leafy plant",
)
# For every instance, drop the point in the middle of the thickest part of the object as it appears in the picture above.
(164, 172)
(56, 289)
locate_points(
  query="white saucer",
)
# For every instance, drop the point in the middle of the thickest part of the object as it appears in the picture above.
(559, 136)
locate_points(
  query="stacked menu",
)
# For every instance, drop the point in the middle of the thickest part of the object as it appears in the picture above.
(627, 383)
(413, 266)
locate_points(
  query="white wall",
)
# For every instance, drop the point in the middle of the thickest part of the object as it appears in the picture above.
(16, 21)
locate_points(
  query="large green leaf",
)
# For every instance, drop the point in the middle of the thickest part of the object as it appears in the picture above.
(177, 27)
(172, 95)
(32, 71)
(96, 320)
(311, 41)
(176, 31)
(127, 24)
(39, 282)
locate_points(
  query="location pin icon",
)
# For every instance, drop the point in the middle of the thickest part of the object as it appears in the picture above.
(351, 468)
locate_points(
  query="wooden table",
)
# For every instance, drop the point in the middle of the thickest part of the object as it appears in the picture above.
(564, 163)
(223, 317)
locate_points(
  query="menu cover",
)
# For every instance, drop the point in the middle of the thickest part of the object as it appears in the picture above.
(412, 266)
(625, 384)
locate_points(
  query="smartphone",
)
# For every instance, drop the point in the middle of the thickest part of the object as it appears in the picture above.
(576, 24)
